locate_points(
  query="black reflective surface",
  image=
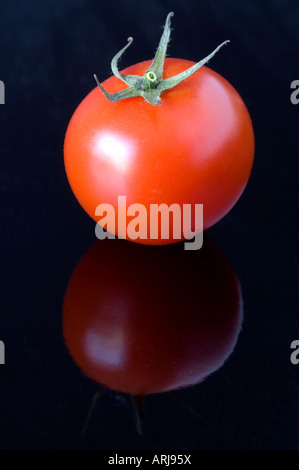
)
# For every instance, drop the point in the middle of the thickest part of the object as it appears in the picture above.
(48, 53)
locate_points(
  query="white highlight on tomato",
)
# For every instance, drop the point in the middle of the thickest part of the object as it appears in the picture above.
(113, 149)
(107, 346)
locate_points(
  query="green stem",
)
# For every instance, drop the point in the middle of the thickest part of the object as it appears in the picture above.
(137, 401)
(152, 85)
(158, 62)
(91, 409)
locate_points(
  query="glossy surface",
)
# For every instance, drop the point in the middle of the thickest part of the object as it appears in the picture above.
(195, 148)
(156, 331)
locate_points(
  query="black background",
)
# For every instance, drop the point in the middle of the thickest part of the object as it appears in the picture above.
(49, 51)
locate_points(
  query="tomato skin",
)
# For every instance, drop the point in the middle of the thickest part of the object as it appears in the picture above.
(197, 147)
(143, 320)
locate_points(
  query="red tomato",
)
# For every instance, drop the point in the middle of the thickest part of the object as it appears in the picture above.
(197, 147)
(143, 320)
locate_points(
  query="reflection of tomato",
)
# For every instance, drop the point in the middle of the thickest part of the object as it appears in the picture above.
(144, 321)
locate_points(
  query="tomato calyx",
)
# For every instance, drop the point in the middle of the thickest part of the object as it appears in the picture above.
(151, 85)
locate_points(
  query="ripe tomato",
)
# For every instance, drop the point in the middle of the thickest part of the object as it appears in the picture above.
(135, 322)
(196, 147)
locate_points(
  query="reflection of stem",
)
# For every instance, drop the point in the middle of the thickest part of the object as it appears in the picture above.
(91, 409)
(188, 407)
(137, 401)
